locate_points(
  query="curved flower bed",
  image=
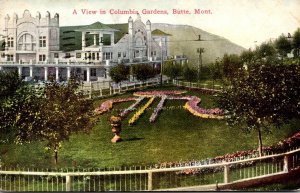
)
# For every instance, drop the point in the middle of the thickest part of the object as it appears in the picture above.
(192, 106)
(158, 93)
(107, 105)
(157, 109)
(137, 115)
(132, 107)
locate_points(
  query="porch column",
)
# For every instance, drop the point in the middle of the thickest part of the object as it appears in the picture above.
(68, 73)
(31, 71)
(1, 68)
(83, 40)
(112, 38)
(56, 74)
(46, 73)
(95, 40)
(20, 71)
(100, 39)
(88, 73)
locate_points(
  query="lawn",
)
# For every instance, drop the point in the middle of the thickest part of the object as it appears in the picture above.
(176, 135)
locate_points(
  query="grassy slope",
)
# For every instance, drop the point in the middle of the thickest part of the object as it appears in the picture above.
(177, 135)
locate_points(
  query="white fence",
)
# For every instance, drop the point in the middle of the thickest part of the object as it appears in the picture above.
(197, 173)
(106, 88)
(197, 85)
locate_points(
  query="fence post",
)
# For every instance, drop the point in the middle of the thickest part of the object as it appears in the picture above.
(150, 181)
(110, 90)
(226, 174)
(286, 163)
(101, 92)
(68, 183)
(91, 89)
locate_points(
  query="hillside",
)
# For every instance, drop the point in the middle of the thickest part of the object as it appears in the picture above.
(214, 47)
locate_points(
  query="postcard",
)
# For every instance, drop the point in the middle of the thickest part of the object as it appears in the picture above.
(166, 95)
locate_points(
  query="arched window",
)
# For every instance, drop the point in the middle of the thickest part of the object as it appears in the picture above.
(27, 42)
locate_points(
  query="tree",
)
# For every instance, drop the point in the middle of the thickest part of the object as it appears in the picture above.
(189, 74)
(143, 72)
(119, 73)
(247, 56)
(172, 70)
(19, 104)
(231, 63)
(266, 51)
(296, 42)
(62, 112)
(283, 46)
(263, 96)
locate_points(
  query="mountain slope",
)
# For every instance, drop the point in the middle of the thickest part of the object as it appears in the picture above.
(181, 42)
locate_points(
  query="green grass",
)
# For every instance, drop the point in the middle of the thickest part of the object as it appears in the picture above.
(176, 136)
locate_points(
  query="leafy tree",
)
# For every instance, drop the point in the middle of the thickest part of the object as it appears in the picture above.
(190, 74)
(266, 51)
(143, 72)
(172, 70)
(62, 112)
(263, 96)
(119, 73)
(231, 64)
(247, 56)
(283, 46)
(19, 104)
(296, 42)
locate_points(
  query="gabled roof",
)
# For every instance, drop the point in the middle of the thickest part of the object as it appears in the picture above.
(158, 32)
(96, 26)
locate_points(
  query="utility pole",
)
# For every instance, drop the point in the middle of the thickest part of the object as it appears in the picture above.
(200, 51)
(162, 61)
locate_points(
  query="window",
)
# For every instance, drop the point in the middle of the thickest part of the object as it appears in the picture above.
(42, 41)
(10, 57)
(124, 54)
(55, 55)
(93, 56)
(97, 55)
(68, 55)
(26, 42)
(153, 53)
(10, 42)
(93, 72)
(78, 55)
(42, 57)
(119, 54)
(107, 55)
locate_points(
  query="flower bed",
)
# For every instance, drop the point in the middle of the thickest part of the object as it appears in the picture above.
(192, 106)
(131, 108)
(137, 115)
(107, 105)
(157, 109)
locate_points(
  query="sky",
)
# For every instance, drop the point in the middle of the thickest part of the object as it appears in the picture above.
(244, 22)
